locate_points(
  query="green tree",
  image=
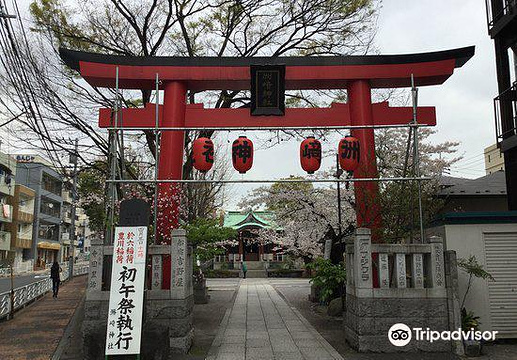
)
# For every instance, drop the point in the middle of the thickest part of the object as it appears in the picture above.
(208, 238)
(92, 195)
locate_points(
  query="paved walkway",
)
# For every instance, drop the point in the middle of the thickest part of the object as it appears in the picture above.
(36, 331)
(261, 325)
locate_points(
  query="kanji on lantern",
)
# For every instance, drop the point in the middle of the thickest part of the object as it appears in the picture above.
(310, 154)
(242, 154)
(203, 154)
(349, 153)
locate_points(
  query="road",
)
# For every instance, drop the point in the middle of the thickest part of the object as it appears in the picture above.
(5, 282)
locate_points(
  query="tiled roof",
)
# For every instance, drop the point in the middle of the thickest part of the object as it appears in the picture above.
(239, 219)
(492, 184)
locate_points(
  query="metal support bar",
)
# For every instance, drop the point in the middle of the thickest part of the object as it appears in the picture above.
(416, 163)
(258, 181)
(268, 128)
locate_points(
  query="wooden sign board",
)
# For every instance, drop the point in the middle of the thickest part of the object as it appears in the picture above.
(267, 90)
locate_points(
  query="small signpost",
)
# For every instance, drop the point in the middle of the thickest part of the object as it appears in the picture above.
(267, 90)
(124, 329)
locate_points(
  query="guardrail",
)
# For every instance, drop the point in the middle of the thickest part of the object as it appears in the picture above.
(28, 293)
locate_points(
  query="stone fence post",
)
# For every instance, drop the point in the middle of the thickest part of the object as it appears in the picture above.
(96, 263)
(437, 262)
(453, 301)
(362, 271)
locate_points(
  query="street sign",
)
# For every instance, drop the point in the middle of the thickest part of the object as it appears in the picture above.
(267, 90)
(127, 291)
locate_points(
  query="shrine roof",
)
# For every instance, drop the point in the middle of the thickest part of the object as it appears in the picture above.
(318, 72)
(239, 220)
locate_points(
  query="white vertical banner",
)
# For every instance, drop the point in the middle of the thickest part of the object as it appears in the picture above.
(127, 291)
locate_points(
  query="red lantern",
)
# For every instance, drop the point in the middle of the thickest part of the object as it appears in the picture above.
(349, 153)
(310, 154)
(203, 154)
(242, 154)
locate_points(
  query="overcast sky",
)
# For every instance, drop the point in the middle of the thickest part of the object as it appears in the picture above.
(464, 103)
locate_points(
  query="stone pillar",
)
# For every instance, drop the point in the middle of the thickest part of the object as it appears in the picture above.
(437, 264)
(417, 271)
(400, 271)
(384, 275)
(362, 259)
(168, 323)
(453, 301)
(156, 283)
(182, 292)
(95, 306)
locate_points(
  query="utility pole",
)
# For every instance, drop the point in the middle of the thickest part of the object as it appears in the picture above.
(3, 15)
(73, 160)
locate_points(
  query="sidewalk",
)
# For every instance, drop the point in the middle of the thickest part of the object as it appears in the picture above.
(35, 331)
(261, 325)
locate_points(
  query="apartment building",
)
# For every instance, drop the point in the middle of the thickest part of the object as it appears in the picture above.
(22, 228)
(7, 174)
(47, 184)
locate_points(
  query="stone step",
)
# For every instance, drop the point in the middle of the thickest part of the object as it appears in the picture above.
(255, 265)
(256, 274)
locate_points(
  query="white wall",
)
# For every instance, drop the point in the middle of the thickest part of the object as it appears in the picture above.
(466, 240)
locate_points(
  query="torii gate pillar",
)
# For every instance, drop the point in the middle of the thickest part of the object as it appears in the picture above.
(368, 210)
(170, 165)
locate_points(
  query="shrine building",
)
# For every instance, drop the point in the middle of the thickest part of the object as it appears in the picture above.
(251, 248)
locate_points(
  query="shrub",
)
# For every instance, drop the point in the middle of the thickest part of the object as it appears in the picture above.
(328, 277)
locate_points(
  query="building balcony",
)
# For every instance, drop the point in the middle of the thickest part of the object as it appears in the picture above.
(504, 22)
(6, 213)
(505, 108)
(5, 240)
(25, 217)
(23, 240)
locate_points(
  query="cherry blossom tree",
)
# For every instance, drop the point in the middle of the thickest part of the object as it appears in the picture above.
(308, 214)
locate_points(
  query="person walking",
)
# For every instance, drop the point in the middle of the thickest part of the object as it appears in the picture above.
(244, 269)
(54, 274)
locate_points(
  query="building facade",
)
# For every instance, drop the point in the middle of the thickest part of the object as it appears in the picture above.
(492, 238)
(494, 160)
(21, 228)
(7, 175)
(66, 224)
(502, 27)
(46, 233)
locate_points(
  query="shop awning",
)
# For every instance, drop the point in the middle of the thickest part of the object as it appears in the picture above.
(49, 245)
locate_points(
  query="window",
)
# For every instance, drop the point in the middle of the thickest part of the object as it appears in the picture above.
(488, 157)
(51, 184)
(49, 207)
(48, 231)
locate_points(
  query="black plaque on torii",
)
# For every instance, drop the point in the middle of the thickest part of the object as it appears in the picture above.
(267, 90)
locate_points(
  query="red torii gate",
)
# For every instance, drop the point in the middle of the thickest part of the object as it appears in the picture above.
(357, 74)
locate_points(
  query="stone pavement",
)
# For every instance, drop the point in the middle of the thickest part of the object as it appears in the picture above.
(261, 325)
(35, 332)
